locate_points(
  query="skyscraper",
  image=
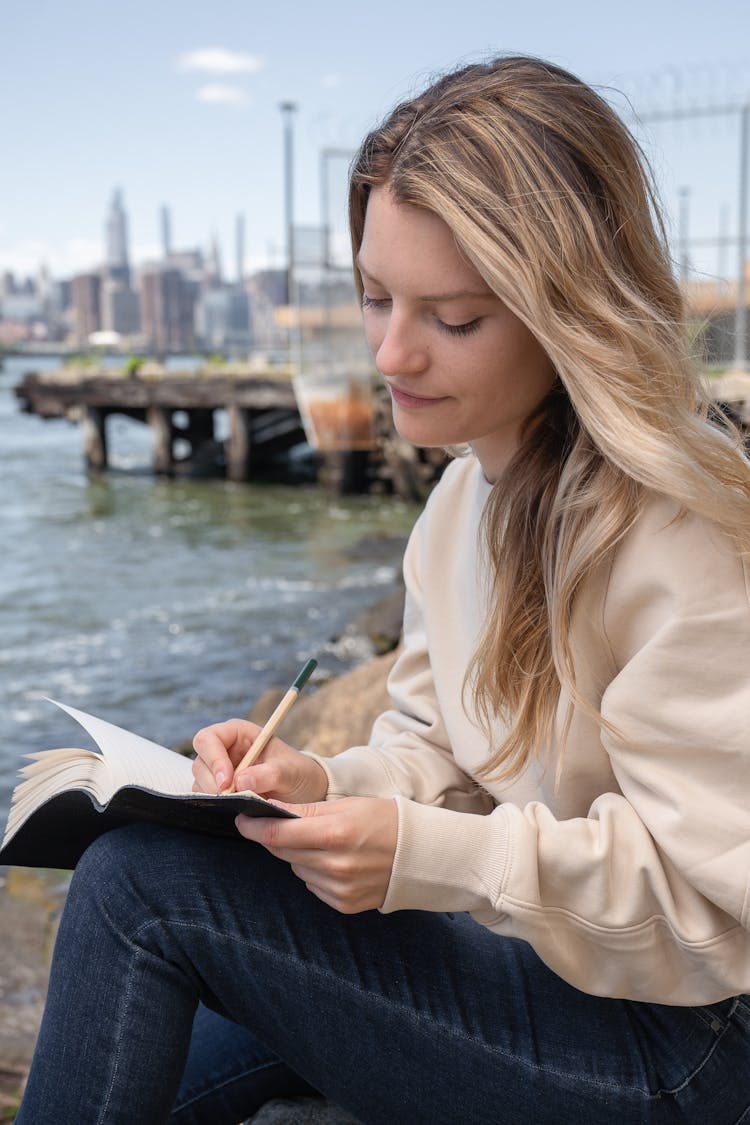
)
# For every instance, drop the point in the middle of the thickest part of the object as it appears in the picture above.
(117, 264)
(118, 302)
(166, 232)
(240, 248)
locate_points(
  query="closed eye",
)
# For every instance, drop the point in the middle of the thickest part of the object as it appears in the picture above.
(374, 302)
(460, 329)
(450, 329)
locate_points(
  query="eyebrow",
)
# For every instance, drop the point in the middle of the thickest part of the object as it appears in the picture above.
(455, 295)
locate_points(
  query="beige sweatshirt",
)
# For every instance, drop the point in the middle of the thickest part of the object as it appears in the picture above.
(630, 877)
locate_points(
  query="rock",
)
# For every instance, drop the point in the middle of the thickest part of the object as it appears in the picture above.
(381, 624)
(338, 714)
(301, 1111)
(30, 903)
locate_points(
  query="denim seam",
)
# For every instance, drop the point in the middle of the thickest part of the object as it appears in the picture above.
(710, 1020)
(120, 1034)
(418, 1017)
(227, 1082)
(694, 1073)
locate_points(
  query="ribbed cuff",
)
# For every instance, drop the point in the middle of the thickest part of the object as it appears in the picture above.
(447, 860)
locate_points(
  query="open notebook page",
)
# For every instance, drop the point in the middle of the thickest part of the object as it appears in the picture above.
(132, 760)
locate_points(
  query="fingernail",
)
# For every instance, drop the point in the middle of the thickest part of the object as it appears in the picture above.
(220, 779)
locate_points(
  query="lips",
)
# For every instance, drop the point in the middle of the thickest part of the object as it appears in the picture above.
(404, 398)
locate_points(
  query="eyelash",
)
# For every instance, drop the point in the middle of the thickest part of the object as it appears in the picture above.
(460, 329)
(450, 329)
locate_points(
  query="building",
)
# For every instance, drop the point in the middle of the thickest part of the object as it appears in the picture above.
(269, 286)
(165, 224)
(167, 303)
(223, 319)
(712, 309)
(117, 263)
(86, 301)
(119, 308)
(119, 304)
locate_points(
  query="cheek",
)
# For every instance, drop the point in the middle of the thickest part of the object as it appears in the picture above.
(373, 334)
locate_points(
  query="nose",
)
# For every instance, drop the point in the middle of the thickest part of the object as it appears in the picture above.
(399, 350)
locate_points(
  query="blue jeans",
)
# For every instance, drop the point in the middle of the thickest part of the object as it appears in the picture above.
(410, 1017)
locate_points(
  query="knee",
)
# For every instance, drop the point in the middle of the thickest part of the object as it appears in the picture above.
(113, 852)
(118, 869)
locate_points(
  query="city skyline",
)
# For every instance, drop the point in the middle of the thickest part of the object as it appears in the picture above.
(178, 105)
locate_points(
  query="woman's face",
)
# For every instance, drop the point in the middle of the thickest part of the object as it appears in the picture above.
(460, 366)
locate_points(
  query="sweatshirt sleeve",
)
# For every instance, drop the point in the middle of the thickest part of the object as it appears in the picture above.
(409, 752)
(648, 895)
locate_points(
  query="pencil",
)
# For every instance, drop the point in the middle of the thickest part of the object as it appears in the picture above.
(266, 733)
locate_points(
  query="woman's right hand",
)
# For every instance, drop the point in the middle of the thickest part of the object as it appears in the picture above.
(281, 772)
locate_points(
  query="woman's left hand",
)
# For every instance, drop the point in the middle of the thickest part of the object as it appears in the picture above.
(342, 850)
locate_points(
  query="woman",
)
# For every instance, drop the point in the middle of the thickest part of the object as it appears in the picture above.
(528, 899)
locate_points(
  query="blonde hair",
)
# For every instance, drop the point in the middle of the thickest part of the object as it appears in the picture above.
(548, 196)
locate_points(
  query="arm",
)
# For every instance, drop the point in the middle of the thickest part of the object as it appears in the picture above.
(647, 894)
(409, 753)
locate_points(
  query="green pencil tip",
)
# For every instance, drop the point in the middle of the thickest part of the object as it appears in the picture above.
(305, 674)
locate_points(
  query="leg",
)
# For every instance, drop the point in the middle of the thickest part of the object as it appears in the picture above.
(412, 1017)
(227, 1070)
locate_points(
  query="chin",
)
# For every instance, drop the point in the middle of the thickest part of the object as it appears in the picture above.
(426, 436)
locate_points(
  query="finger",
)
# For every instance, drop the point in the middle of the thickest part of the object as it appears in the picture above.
(314, 808)
(213, 745)
(314, 830)
(266, 777)
(204, 779)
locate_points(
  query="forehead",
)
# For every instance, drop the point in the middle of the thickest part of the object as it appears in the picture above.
(412, 246)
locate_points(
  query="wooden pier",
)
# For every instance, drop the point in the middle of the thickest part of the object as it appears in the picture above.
(263, 425)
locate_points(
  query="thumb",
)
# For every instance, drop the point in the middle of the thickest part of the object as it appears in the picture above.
(313, 808)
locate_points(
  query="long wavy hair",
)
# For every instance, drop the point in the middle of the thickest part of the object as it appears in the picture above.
(549, 197)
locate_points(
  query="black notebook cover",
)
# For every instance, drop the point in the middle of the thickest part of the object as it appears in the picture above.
(58, 832)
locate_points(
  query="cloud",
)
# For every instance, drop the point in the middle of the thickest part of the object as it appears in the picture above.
(218, 60)
(73, 255)
(219, 94)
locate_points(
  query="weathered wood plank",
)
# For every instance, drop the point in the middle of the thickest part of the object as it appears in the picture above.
(41, 395)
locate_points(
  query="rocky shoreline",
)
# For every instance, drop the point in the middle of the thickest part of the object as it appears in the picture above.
(339, 714)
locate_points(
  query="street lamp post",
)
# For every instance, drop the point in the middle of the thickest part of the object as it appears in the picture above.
(288, 109)
(684, 236)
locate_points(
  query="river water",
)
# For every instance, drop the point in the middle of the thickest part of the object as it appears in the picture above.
(164, 605)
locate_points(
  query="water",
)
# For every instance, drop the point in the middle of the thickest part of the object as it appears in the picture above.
(164, 605)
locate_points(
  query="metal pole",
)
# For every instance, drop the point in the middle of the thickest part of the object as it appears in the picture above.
(724, 239)
(684, 234)
(326, 231)
(740, 330)
(288, 109)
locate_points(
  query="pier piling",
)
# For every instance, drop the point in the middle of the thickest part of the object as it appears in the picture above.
(239, 445)
(263, 424)
(94, 429)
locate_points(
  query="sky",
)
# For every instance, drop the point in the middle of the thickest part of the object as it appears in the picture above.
(177, 102)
